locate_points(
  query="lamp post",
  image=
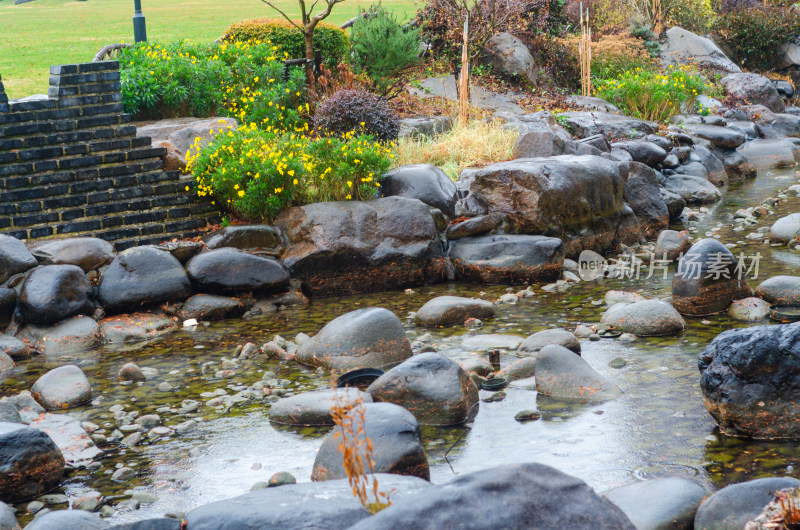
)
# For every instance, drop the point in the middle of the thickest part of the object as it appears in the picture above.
(139, 29)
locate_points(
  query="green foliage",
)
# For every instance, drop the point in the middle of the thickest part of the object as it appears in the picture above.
(754, 36)
(642, 30)
(697, 16)
(240, 80)
(650, 95)
(383, 48)
(329, 39)
(254, 173)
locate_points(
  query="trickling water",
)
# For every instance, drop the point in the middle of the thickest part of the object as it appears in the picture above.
(658, 427)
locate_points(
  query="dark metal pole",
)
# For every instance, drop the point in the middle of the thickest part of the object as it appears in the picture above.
(139, 28)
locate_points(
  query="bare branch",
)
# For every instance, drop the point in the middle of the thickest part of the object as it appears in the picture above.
(292, 22)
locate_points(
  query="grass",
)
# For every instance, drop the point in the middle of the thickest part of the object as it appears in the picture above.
(38, 34)
(477, 143)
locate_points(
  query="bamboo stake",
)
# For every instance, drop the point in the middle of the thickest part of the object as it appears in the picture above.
(463, 92)
(585, 53)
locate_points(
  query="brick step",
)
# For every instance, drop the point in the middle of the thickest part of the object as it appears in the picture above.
(70, 162)
(89, 192)
(24, 124)
(60, 138)
(37, 155)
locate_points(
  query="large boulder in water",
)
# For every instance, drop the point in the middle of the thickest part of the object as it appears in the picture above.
(535, 342)
(54, 292)
(732, 507)
(750, 382)
(424, 182)
(396, 443)
(142, 276)
(62, 388)
(780, 290)
(329, 504)
(643, 194)
(14, 257)
(74, 336)
(365, 338)
(562, 374)
(647, 318)
(315, 408)
(230, 270)
(786, 228)
(684, 48)
(434, 388)
(452, 310)
(708, 279)
(578, 199)
(667, 503)
(754, 89)
(362, 246)
(88, 253)
(30, 462)
(506, 258)
(512, 496)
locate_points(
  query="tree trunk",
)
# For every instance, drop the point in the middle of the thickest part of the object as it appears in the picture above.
(309, 38)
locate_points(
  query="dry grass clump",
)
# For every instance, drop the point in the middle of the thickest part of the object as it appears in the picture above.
(477, 143)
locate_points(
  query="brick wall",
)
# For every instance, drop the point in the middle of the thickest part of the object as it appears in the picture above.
(71, 164)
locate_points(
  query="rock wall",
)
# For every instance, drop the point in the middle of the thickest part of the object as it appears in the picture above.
(71, 164)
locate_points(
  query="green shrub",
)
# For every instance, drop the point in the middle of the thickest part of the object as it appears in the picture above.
(650, 95)
(383, 49)
(329, 39)
(240, 80)
(641, 30)
(754, 36)
(254, 173)
(694, 15)
(356, 110)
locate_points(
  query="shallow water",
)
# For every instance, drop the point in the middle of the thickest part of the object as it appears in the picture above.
(658, 427)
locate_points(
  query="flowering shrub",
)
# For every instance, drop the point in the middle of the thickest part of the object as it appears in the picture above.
(244, 80)
(650, 95)
(254, 173)
(356, 109)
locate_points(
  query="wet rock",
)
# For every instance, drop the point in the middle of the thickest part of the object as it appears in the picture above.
(14, 257)
(647, 318)
(432, 387)
(780, 290)
(424, 126)
(423, 182)
(230, 270)
(491, 341)
(73, 441)
(512, 496)
(88, 253)
(562, 374)
(682, 47)
(737, 166)
(708, 279)
(675, 203)
(754, 89)
(21, 408)
(30, 463)
(362, 246)
(245, 237)
(622, 297)
(62, 388)
(365, 338)
(14, 348)
(212, 307)
(748, 379)
(660, 504)
(182, 251)
(538, 143)
(749, 309)
(55, 292)
(510, 57)
(672, 244)
(397, 447)
(519, 369)
(578, 199)
(68, 520)
(592, 103)
(534, 343)
(136, 327)
(643, 194)
(130, 372)
(142, 276)
(8, 518)
(6, 364)
(509, 259)
(8, 304)
(722, 137)
(123, 474)
(477, 365)
(77, 335)
(585, 124)
(452, 310)
(329, 504)
(733, 506)
(646, 153)
(315, 408)
(785, 229)
(772, 153)
(475, 226)
(693, 190)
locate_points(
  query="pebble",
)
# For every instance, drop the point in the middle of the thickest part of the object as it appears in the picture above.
(53, 498)
(527, 415)
(627, 337)
(617, 362)
(107, 511)
(132, 440)
(131, 372)
(164, 387)
(123, 474)
(281, 478)
(149, 420)
(497, 396)
(34, 506)
(187, 426)
(144, 497)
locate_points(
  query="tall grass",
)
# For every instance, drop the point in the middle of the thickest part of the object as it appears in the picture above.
(476, 143)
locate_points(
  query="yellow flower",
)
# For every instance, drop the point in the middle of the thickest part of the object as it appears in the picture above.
(241, 193)
(294, 182)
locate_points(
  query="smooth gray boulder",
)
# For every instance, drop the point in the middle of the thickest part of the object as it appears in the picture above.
(62, 388)
(364, 338)
(510, 57)
(432, 387)
(314, 408)
(212, 307)
(88, 253)
(755, 89)
(535, 342)
(452, 310)
(722, 137)
(68, 520)
(135, 327)
(562, 374)
(14, 257)
(584, 124)
(693, 190)
(74, 336)
(780, 290)
(14, 348)
(474, 226)
(668, 503)
(397, 446)
(771, 153)
(230, 270)
(53, 293)
(643, 194)
(785, 229)
(511, 258)
(246, 237)
(8, 304)
(749, 309)
(8, 518)
(647, 318)
(671, 244)
(646, 153)
(424, 182)
(683, 47)
(732, 507)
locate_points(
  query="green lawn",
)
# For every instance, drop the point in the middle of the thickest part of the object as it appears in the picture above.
(41, 33)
